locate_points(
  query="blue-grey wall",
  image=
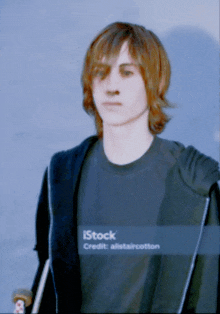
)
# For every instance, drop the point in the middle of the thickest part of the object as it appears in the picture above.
(42, 49)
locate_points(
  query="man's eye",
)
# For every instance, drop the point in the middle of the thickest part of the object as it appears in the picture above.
(126, 73)
(100, 73)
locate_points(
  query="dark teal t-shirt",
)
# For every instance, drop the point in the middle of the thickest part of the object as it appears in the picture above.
(127, 195)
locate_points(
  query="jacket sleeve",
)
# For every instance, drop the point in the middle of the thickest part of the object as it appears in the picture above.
(204, 292)
(42, 233)
(42, 222)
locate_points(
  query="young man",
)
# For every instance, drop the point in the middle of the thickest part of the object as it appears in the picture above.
(126, 177)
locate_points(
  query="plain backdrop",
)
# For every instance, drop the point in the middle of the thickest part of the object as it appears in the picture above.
(43, 44)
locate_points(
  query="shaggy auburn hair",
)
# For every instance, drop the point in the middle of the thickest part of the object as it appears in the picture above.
(148, 52)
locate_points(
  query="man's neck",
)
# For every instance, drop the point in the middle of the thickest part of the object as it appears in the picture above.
(126, 143)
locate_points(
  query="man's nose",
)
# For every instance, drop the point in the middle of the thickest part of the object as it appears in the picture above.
(112, 84)
(112, 92)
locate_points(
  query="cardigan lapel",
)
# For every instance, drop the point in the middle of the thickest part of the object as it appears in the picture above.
(181, 207)
(64, 173)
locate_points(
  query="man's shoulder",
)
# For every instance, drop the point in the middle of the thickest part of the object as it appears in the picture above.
(76, 153)
(187, 157)
(197, 170)
(170, 148)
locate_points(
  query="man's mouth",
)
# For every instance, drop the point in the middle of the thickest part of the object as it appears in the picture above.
(109, 103)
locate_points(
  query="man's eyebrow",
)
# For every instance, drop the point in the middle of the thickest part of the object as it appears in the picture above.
(128, 64)
(103, 64)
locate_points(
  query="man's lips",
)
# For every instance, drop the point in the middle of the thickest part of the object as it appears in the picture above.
(109, 103)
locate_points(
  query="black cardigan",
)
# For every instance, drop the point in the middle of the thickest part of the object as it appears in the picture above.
(185, 283)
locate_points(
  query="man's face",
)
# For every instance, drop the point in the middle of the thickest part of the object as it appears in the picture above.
(118, 90)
